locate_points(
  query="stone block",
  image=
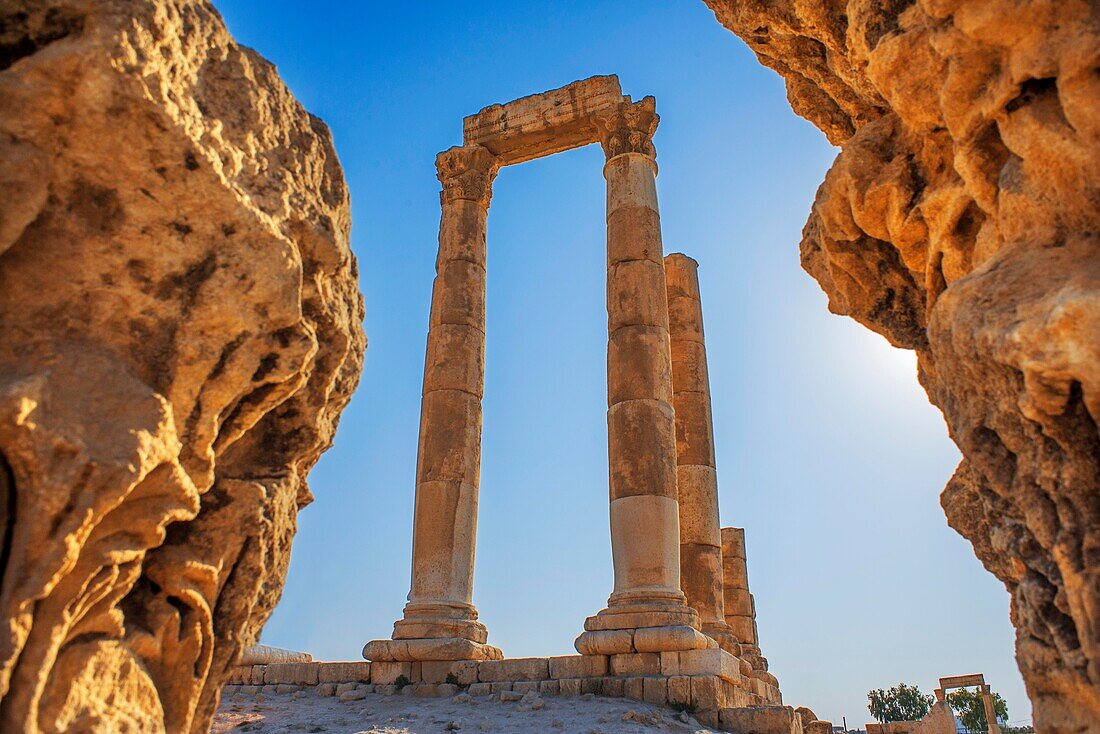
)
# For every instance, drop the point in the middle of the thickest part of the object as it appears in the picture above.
(570, 686)
(591, 685)
(451, 455)
(818, 727)
(705, 693)
(642, 442)
(239, 675)
(462, 672)
(761, 720)
(636, 297)
(737, 697)
(340, 672)
(436, 690)
(744, 628)
(633, 233)
(287, 688)
(480, 689)
(655, 690)
(694, 421)
(386, 673)
(702, 662)
(356, 695)
(634, 688)
(738, 603)
(733, 543)
(674, 637)
(231, 689)
(526, 686)
(647, 663)
(500, 686)
(698, 487)
(577, 666)
(604, 642)
(514, 669)
(545, 123)
(458, 294)
(549, 688)
(257, 678)
(455, 359)
(612, 687)
(249, 690)
(708, 717)
(630, 183)
(326, 689)
(611, 620)
(679, 691)
(302, 674)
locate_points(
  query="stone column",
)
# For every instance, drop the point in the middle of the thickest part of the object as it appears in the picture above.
(990, 710)
(740, 608)
(696, 478)
(647, 611)
(440, 621)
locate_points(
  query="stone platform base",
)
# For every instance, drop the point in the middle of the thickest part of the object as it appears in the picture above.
(708, 683)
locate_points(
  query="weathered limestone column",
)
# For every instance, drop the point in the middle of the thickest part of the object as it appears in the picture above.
(696, 478)
(740, 607)
(440, 621)
(647, 611)
(990, 710)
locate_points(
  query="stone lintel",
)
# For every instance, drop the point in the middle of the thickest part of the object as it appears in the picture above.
(543, 124)
(962, 681)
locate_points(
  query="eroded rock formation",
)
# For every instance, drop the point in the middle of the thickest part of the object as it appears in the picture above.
(181, 328)
(961, 220)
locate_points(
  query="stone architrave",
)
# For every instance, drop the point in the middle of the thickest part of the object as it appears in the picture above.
(696, 477)
(440, 621)
(647, 603)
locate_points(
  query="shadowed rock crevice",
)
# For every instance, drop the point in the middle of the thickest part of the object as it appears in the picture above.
(960, 220)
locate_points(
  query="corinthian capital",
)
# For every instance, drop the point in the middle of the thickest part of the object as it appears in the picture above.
(629, 129)
(467, 172)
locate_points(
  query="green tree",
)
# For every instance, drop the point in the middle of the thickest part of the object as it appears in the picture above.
(900, 703)
(971, 709)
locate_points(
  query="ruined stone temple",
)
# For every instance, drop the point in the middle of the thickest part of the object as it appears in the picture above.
(680, 606)
(183, 328)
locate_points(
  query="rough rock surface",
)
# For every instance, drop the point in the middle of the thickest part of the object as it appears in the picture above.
(181, 328)
(962, 220)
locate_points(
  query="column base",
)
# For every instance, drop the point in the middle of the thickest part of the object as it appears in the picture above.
(642, 627)
(430, 649)
(435, 630)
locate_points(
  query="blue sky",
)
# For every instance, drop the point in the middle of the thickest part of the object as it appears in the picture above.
(828, 451)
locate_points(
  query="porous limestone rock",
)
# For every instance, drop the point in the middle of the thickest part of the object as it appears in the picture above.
(181, 329)
(961, 220)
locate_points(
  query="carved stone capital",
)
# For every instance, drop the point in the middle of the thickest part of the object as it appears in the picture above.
(467, 172)
(629, 129)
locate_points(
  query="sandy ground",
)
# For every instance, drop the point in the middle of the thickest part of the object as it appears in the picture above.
(305, 711)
